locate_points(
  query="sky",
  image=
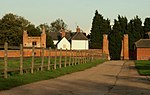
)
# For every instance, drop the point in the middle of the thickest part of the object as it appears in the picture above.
(74, 12)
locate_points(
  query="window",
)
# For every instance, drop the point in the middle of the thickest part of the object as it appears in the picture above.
(34, 43)
(64, 46)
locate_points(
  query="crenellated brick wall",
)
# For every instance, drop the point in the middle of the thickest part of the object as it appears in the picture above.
(39, 41)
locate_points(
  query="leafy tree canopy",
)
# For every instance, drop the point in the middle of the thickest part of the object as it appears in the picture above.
(11, 27)
(57, 25)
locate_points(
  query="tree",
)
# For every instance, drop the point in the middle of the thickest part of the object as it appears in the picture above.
(146, 26)
(33, 31)
(123, 22)
(49, 41)
(11, 29)
(100, 26)
(135, 31)
(115, 41)
(57, 25)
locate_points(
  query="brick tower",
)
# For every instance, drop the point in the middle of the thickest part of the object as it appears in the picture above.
(105, 45)
(125, 47)
(43, 38)
(25, 38)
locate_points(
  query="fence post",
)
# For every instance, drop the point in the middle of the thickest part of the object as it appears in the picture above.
(85, 56)
(49, 58)
(70, 57)
(5, 59)
(42, 59)
(79, 58)
(76, 57)
(55, 58)
(21, 59)
(72, 53)
(60, 58)
(92, 58)
(32, 64)
(88, 57)
(66, 58)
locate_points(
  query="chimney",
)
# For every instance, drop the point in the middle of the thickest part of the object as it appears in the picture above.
(63, 33)
(43, 29)
(77, 29)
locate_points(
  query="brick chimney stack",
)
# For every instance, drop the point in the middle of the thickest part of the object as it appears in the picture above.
(78, 29)
(43, 29)
(63, 33)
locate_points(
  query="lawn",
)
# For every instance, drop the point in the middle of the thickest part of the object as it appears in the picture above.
(143, 67)
(27, 78)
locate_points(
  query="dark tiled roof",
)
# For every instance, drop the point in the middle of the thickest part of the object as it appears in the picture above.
(79, 36)
(55, 35)
(143, 43)
(68, 36)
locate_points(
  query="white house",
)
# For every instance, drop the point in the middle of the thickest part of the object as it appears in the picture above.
(79, 41)
(63, 44)
(74, 40)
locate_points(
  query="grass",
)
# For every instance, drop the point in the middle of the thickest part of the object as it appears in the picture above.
(27, 78)
(14, 63)
(143, 67)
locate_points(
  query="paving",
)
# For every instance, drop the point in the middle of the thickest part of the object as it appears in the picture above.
(109, 78)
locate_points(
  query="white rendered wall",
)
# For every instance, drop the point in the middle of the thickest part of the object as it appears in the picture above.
(64, 44)
(80, 44)
(55, 42)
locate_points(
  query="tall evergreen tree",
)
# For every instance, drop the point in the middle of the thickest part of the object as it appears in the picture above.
(115, 41)
(123, 22)
(100, 26)
(135, 31)
(116, 36)
(146, 26)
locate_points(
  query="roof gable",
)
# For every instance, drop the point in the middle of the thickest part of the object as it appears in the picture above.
(79, 36)
(143, 43)
(63, 40)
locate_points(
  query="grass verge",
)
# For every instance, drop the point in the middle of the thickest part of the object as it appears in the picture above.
(143, 67)
(27, 78)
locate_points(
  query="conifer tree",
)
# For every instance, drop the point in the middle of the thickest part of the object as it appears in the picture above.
(100, 26)
(116, 36)
(147, 25)
(135, 31)
(115, 41)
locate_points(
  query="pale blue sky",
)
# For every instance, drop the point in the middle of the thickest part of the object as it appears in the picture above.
(74, 12)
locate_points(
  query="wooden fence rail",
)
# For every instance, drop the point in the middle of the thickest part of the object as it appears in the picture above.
(71, 58)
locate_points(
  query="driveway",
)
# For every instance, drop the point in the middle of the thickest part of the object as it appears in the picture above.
(109, 78)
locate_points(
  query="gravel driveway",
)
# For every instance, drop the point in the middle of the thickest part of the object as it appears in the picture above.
(109, 78)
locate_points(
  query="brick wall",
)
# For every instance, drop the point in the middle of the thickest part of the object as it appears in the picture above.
(38, 52)
(143, 53)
